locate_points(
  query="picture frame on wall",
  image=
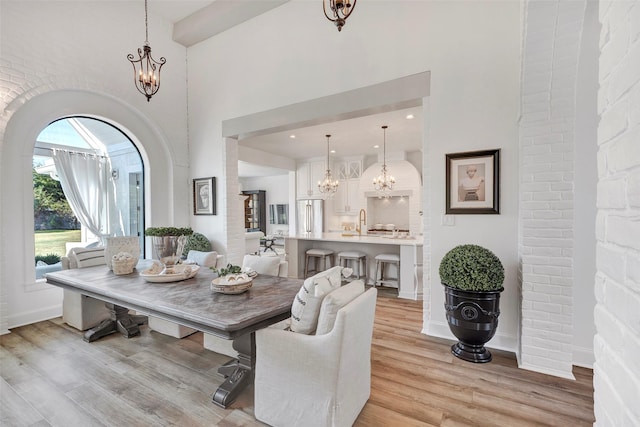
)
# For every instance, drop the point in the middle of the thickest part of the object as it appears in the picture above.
(473, 182)
(204, 196)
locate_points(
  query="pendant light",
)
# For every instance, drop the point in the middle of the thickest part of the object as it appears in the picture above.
(384, 182)
(328, 186)
(340, 11)
(146, 70)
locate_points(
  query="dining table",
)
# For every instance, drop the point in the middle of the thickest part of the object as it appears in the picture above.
(190, 302)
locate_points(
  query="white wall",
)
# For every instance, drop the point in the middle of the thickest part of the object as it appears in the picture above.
(65, 58)
(294, 54)
(586, 180)
(617, 313)
(277, 192)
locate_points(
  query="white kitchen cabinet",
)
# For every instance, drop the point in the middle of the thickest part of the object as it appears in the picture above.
(346, 199)
(307, 177)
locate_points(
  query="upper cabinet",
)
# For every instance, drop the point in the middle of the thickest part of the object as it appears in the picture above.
(307, 177)
(347, 198)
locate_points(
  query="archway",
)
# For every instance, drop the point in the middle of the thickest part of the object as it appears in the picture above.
(23, 299)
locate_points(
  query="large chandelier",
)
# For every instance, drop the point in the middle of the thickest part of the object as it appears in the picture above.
(145, 78)
(328, 186)
(383, 183)
(340, 11)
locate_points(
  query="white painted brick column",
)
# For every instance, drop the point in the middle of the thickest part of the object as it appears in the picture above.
(617, 313)
(234, 214)
(550, 58)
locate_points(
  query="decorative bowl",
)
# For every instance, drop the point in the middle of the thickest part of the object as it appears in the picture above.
(122, 267)
(232, 284)
(175, 273)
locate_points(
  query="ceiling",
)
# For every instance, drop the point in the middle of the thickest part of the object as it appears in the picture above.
(176, 10)
(352, 137)
(196, 20)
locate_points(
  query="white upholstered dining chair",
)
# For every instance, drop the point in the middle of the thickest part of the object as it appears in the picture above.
(80, 311)
(318, 380)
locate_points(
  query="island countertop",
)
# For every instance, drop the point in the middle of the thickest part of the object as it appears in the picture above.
(351, 237)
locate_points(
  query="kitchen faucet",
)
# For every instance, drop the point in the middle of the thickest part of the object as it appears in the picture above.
(361, 221)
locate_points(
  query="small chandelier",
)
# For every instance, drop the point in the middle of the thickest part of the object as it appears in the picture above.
(383, 184)
(144, 68)
(340, 11)
(328, 186)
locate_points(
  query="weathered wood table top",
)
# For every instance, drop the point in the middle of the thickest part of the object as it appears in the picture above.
(189, 302)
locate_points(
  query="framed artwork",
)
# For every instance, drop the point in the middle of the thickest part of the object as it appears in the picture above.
(204, 196)
(473, 182)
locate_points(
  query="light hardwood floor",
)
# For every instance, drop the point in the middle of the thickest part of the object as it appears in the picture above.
(49, 376)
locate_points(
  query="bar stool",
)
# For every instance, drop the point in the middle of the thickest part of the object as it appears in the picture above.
(358, 258)
(316, 255)
(381, 261)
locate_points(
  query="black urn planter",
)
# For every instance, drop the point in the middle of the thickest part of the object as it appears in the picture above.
(473, 319)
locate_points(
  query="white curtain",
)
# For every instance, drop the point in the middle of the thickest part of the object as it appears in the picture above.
(85, 180)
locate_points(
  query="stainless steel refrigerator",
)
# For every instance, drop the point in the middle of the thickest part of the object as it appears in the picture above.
(310, 217)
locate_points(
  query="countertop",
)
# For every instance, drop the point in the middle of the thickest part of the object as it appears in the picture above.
(352, 237)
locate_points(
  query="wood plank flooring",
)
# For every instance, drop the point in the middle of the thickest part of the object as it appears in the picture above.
(50, 377)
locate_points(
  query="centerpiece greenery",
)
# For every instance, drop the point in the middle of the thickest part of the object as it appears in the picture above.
(473, 278)
(168, 243)
(168, 231)
(196, 242)
(229, 269)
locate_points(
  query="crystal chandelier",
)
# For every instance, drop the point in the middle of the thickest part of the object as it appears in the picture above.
(144, 68)
(383, 184)
(328, 186)
(340, 11)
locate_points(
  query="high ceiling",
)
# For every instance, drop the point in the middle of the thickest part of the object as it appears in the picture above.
(196, 20)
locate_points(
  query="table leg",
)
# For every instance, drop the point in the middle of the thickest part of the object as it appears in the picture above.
(120, 321)
(238, 372)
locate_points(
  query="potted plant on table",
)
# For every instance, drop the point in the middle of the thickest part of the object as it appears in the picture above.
(168, 242)
(472, 277)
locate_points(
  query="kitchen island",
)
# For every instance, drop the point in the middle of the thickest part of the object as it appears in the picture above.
(408, 248)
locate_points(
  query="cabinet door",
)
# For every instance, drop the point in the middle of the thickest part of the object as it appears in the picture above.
(347, 198)
(316, 174)
(302, 181)
(354, 169)
(341, 199)
(307, 177)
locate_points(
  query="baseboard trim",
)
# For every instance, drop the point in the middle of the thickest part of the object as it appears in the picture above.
(29, 317)
(546, 371)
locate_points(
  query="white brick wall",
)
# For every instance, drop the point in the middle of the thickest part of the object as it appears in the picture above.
(56, 60)
(617, 313)
(550, 61)
(234, 215)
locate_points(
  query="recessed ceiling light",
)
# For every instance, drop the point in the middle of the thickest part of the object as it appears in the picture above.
(333, 151)
(376, 146)
(292, 136)
(409, 116)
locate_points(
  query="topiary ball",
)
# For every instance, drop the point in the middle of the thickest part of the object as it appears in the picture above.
(196, 242)
(472, 268)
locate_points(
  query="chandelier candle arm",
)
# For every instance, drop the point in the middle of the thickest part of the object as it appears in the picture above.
(146, 70)
(384, 182)
(328, 186)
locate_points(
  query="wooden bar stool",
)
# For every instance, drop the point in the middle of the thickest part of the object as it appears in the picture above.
(359, 260)
(381, 261)
(317, 255)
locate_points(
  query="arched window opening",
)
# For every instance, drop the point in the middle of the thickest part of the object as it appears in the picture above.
(102, 171)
